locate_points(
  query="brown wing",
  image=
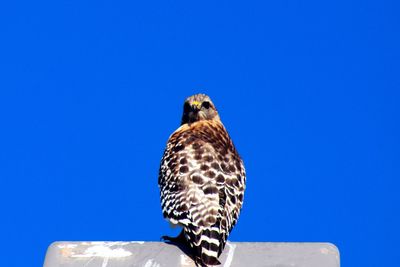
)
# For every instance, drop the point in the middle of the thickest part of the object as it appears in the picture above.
(202, 181)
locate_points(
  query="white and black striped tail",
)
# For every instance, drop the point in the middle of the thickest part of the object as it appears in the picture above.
(207, 243)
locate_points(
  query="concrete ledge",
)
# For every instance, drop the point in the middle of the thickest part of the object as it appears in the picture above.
(158, 254)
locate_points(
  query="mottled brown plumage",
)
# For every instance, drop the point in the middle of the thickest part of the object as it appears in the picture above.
(202, 180)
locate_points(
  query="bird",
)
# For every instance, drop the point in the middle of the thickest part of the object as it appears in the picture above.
(202, 180)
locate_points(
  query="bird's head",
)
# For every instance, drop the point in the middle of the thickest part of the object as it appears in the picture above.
(199, 107)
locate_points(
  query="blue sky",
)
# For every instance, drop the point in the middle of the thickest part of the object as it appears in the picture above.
(91, 90)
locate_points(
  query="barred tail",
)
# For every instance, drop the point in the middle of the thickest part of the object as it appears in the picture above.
(207, 243)
(210, 246)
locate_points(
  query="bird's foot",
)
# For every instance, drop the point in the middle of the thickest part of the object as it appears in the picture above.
(179, 239)
(167, 238)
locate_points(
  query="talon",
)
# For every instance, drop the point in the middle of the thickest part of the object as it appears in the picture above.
(179, 239)
(166, 238)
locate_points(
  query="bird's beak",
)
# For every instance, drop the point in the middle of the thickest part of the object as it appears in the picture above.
(196, 105)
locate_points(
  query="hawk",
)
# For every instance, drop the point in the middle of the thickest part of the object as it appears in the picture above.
(202, 181)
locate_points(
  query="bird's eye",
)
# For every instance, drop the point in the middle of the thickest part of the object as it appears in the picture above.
(186, 107)
(206, 104)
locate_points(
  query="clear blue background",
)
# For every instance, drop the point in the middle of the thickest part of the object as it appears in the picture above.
(91, 91)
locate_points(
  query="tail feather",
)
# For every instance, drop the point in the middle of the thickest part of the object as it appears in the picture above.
(207, 243)
(210, 247)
